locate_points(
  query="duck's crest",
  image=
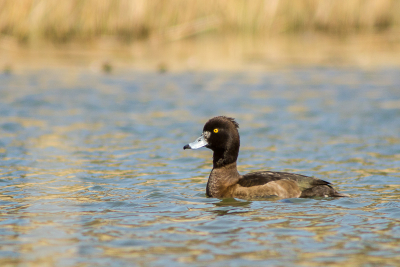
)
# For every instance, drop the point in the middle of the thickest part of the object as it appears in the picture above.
(231, 120)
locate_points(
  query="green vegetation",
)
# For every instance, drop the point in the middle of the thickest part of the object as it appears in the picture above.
(82, 20)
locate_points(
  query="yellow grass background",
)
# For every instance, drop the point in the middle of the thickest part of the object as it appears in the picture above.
(129, 20)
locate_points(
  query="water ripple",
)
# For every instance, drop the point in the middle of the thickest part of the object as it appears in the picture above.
(92, 170)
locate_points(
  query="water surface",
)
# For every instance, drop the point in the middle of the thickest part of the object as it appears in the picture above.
(92, 171)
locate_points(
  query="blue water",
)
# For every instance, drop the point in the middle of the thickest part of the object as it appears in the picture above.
(92, 170)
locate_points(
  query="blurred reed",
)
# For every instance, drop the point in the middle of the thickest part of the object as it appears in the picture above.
(62, 21)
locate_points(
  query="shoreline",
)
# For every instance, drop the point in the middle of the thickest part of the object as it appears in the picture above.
(207, 53)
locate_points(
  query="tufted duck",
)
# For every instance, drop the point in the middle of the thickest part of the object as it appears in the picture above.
(220, 134)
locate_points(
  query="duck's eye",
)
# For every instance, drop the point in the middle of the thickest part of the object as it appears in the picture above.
(215, 130)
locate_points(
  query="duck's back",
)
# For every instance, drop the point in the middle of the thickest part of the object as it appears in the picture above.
(306, 186)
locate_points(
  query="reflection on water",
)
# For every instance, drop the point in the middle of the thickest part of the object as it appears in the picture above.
(92, 170)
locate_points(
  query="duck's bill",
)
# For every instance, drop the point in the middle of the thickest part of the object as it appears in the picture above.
(199, 142)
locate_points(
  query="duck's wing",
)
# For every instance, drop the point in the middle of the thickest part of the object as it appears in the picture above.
(261, 178)
(309, 186)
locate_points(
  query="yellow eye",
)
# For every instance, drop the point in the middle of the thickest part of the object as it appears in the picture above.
(215, 130)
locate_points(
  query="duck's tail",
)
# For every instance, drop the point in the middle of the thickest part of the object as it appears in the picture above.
(322, 191)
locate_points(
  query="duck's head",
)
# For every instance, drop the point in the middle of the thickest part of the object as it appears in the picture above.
(220, 134)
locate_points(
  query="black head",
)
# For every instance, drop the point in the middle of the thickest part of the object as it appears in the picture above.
(221, 135)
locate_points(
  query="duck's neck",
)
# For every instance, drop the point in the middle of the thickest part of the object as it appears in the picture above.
(225, 157)
(223, 175)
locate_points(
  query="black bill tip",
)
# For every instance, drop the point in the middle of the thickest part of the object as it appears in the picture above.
(186, 147)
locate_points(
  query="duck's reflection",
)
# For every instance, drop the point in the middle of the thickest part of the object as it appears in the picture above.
(232, 202)
(238, 206)
(231, 206)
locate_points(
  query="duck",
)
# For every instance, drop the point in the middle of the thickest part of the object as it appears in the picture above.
(221, 135)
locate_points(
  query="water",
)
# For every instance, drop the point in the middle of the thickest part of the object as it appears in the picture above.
(92, 170)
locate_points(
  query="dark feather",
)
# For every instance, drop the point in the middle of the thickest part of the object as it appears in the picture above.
(309, 186)
(258, 178)
(322, 191)
(231, 120)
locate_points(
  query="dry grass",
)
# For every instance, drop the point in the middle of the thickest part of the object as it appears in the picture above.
(61, 21)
